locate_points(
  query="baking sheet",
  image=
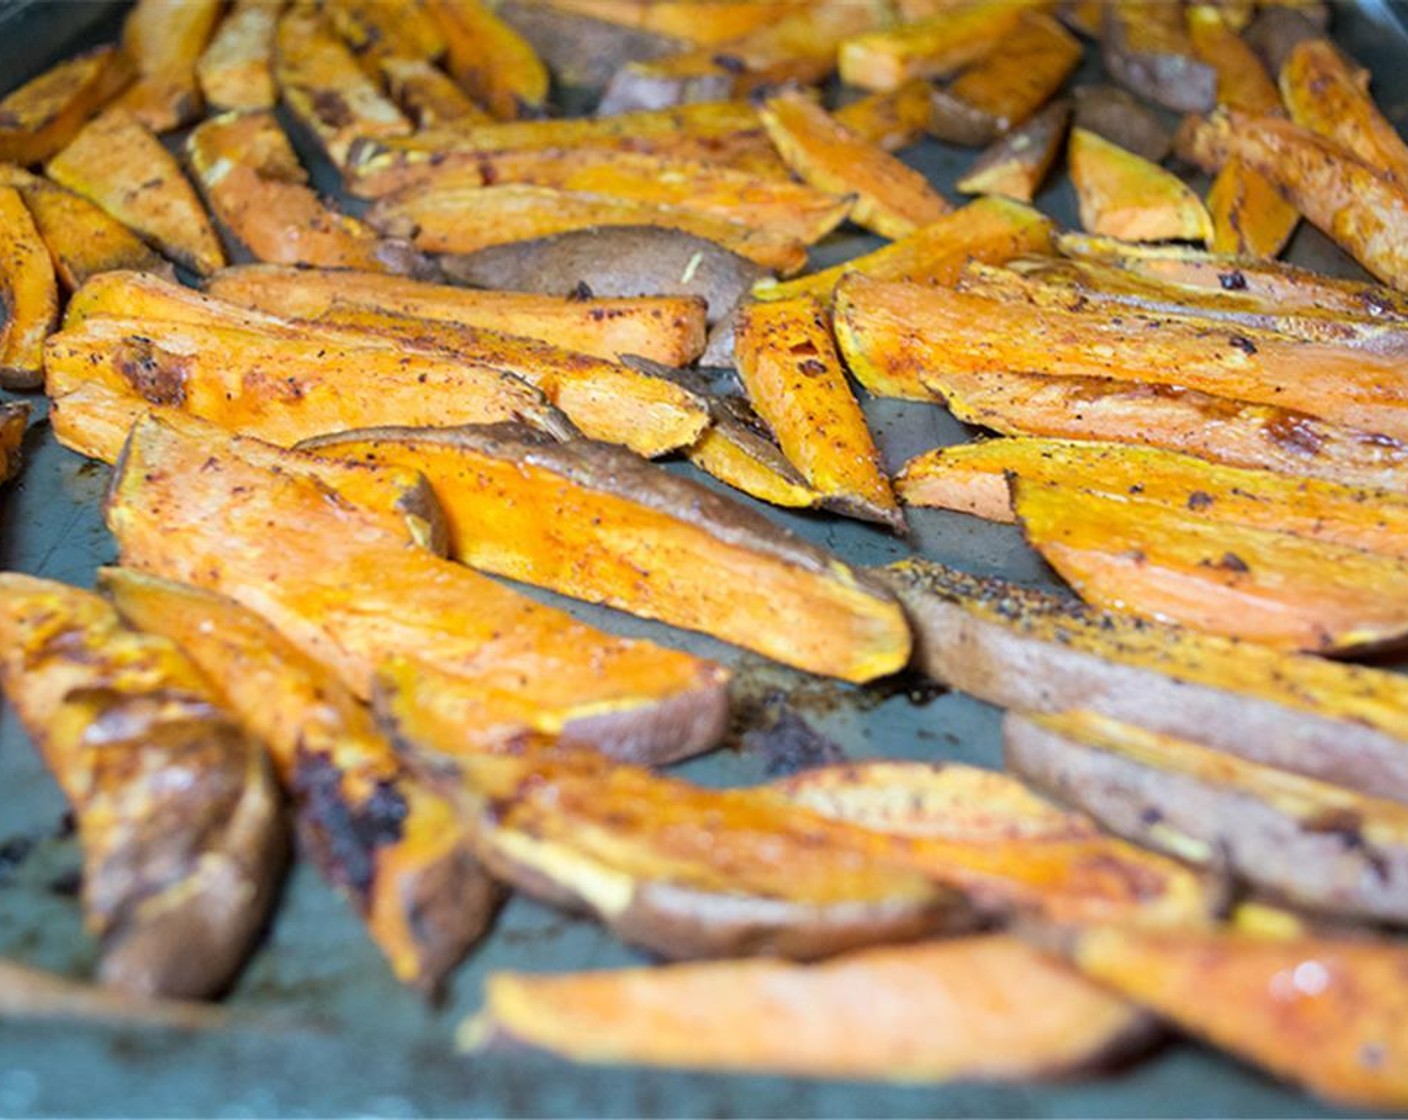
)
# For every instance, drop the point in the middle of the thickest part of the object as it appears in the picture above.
(321, 1028)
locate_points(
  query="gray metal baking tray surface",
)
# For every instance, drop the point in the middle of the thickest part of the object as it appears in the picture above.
(321, 1028)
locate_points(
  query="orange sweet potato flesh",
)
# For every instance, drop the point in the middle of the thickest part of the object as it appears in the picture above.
(1249, 216)
(165, 38)
(428, 95)
(1015, 166)
(491, 60)
(386, 841)
(236, 69)
(893, 335)
(1161, 563)
(116, 162)
(1328, 1014)
(643, 541)
(1011, 852)
(990, 229)
(14, 419)
(795, 381)
(255, 186)
(665, 329)
(681, 19)
(1242, 81)
(891, 199)
(352, 595)
(377, 31)
(931, 48)
(890, 119)
(45, 113)
(982, 1008)
(1123, 195)
(29, 295)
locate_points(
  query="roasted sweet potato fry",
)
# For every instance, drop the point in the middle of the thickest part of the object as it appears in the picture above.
(1124, 196)
(1242, 81)
(580, 51)
(14, 418)
(1035, 652)
(44, 114)
(929, 48)
(795, 381)
(891, 119)
(256, 187)
(464, 220)
(389, 844)
(891, 199)
(1324, 1013)
(1311, 843)
(236, 71)
(493, 63)
(428, 95)
(349, 593)
(376, 30)
(1016, 164)
(664, 329)
(177, 813)
(165, 38)
(1146, 48)
(990, 229)
(117, 163)
(1160, 562)
(935, 1012)
(894, 334)
(736, 452)
(681, 19)
(690, 557)
(1249, 216)
(326, 90)
(29, 295)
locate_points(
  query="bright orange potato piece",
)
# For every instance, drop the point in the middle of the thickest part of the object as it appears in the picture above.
(165, 39)
(932, 48)
(1161, 563)
(974, 1009)
(717, 21)
(794, 379)
(236, 70)
(492, 61)
(428, 95)
(1242, 81)
(376, 30)
(29, 295)
(1017, 163)
(891, 199)
(891, 119)
(751, 463)
(45, 113)
(1124, 195)
(1249, 216)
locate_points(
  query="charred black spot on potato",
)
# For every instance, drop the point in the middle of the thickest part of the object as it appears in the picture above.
(344, 836)
(332, 108)
(159, 377)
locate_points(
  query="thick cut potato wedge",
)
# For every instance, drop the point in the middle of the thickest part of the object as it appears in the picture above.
(665, 329)
(736, 452)
(1016, 164)
(1167, 564)
(177, 814)
(582, 52)
(929, 48)
(891, 199)
(890, 119)
(14, 419)
(1146, 48)
(351, 594)
(1249, 216)
(467, 219)
(894, 334)
(29, 295)
(932, 1013)
(236, 70)
(643, 541)
(323, 86)
(708, 24)
(493, 63)
(678, 869)
(254, 184)
(1005, 87)
(376, 30)
(44, 114)
(165, 39)
(1242, 81)
(1122, 119)
(1328, 1014)
(990, 229)
(1034, 652)
(796, 384)
(428, 95)
(1308, 842)
(117, 163)
(388, 843)
(1324, 95)
(1009, 851)
(1121, 195)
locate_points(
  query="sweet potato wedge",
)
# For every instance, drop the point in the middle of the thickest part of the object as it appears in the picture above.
(493, 63)
(1278, 29)
(894, 334)
(1160, 562)
(348, 592)
(29, 295)
(684, 19)
(890, 119)
(738, 453)
(1121, 195)
(177, 813)
(1122, 119)
(936, 1012)
(376, 31)
(678, 869)
(664, 329)
(45, 113)
(1146, 48)
(236, 69)
(1006, 86)
(643, 541)
(1035, 652)
(1249, 216)
(117, 163)
(794, 379)
(1016, 164)
(14, 419)
(1009, 851)
(1325, 1013)
(891, 199)
(465, 220)
(581, 51)
(930, 48)
(391, 846)
(428, 95)
(1242, 81)
(1311, 843)
(165, 39)
(323, 87)
(990, 229)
